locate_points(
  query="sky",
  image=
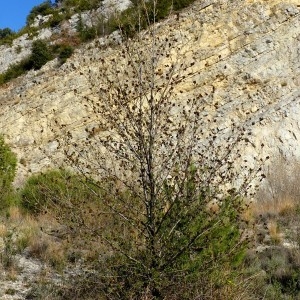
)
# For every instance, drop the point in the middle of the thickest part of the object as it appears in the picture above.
(13, 12)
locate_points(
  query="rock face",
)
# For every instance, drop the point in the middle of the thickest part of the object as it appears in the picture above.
(15, 53)
(243, 61)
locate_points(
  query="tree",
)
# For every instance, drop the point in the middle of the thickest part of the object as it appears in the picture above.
(164, 178)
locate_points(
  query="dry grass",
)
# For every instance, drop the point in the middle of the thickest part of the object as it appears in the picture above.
(42, 244)
(3, 230)
(284, 206)
(280, 194)
(274, 232)
(24, 232)
(277, 204)
(55, 253)
(12, 273)
(15, 214)
(247, 212)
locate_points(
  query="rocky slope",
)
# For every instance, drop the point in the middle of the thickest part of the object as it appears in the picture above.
(20, 47)
(243, 61)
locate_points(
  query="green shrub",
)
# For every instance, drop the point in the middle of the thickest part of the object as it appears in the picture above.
(18, 49)
(14, 71)
(85, 33)
(66, 9)
(180, 4)
(57, 17)
(81, 5)
(5, 32)
(40, 55)
(54, 188)
(64, 52)
(204, 264)
(8, 165)
(43, 9)
(138, 16)
(6, 36)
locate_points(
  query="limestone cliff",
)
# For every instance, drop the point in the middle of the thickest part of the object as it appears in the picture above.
(244, 57)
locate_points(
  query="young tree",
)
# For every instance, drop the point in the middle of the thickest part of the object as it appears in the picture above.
(164, 178)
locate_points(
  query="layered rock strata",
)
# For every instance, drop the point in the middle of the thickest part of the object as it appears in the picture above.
(242, 61)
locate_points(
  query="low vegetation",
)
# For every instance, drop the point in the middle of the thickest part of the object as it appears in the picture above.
(40, 55)
(8, 164)
(276, 215)
(62, 10)
(6, 36)
(64, 223)
(43, 9)
(60, 219)
(64, 219)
